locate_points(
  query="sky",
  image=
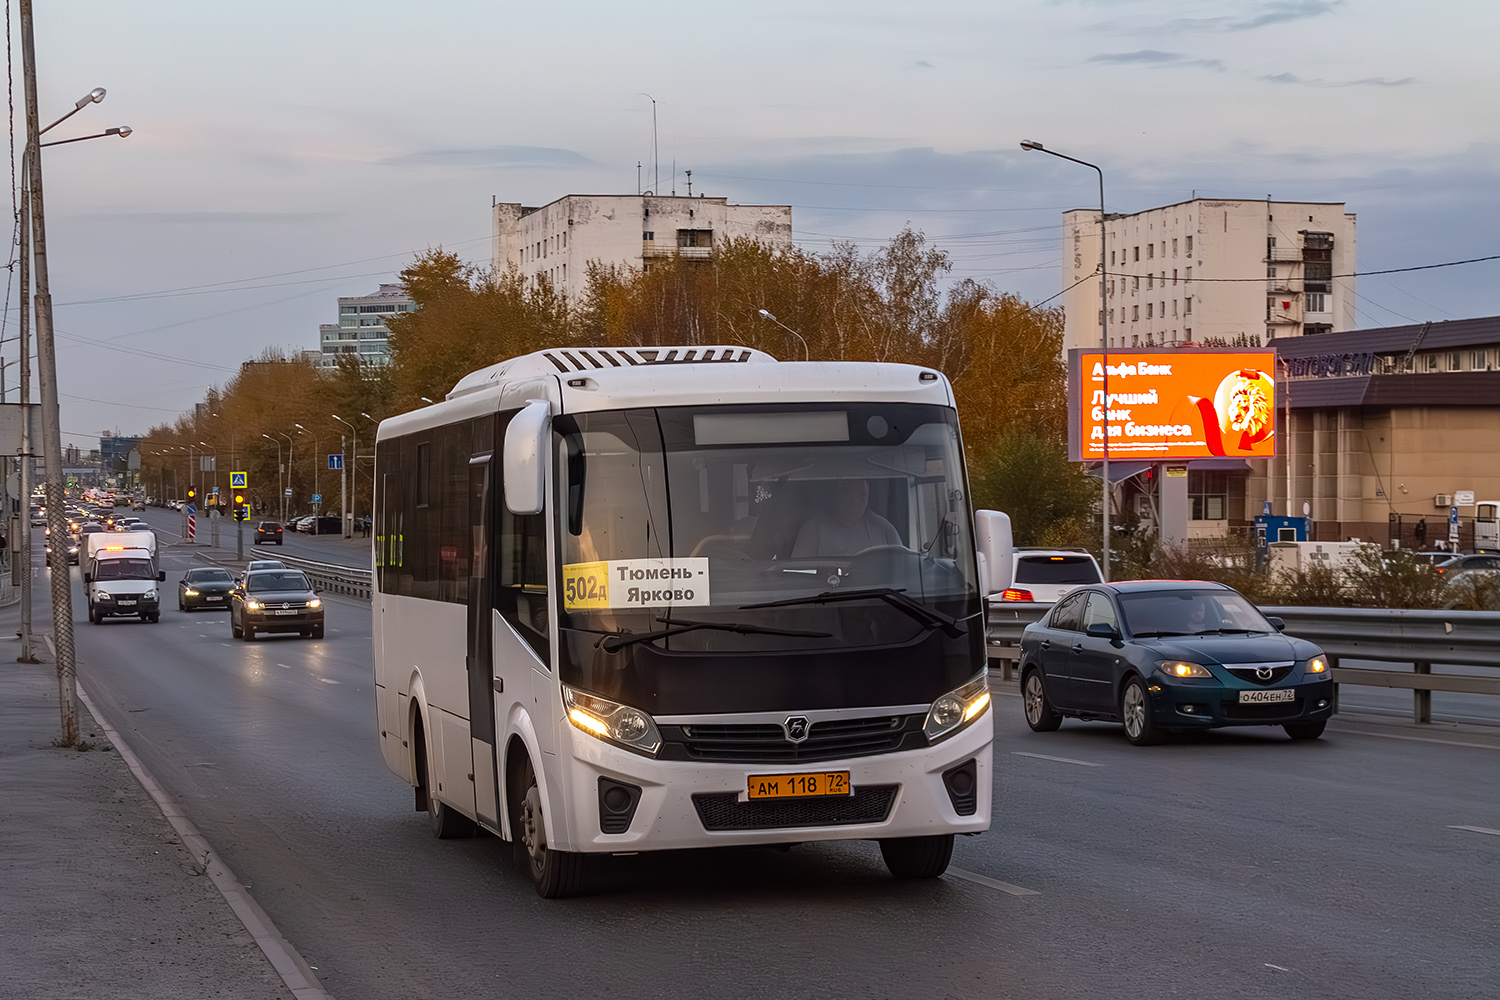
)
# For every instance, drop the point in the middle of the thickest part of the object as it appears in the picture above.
(284, 154)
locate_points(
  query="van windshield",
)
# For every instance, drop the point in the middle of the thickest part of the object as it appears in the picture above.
(124, 569)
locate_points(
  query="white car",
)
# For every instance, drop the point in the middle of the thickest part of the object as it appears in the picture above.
(1042, 576)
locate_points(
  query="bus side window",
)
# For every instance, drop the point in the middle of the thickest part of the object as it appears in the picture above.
(521, 587)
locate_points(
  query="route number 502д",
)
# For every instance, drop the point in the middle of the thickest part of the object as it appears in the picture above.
(585, 586)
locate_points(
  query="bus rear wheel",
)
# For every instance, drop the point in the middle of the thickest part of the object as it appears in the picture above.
(554, 873)
(917, 857)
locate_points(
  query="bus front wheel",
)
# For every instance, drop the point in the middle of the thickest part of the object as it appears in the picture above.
(917, 857)
(554, 873)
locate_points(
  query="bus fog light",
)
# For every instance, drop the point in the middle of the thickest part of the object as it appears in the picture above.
(957, 708)
(612, 722)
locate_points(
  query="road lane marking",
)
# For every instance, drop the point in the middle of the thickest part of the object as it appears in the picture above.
(1417, 739)
(284, 666)
(1060, 760)
(1005, 887)
(1278, 968)
(325, 680)
(1477, 829)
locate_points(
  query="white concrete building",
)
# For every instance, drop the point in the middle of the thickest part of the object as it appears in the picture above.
(361, 330)
(1209, 268)
(559, 240)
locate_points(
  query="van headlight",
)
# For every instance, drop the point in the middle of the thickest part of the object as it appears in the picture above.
(149, 595)
(956, 709)
(100, 595)
(612, 722)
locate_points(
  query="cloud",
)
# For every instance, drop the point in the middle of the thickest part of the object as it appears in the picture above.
(1369, 81)
(1156, 59)
(492, 156)
(1247, 17)
(923, 64)
(206, 218)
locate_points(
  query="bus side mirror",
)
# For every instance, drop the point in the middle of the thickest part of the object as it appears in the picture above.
(522, 466)
(993, 540)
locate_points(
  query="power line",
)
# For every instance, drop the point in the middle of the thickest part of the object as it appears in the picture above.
(1351, 274)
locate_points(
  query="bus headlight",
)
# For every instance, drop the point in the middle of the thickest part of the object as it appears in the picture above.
(956, 709)
(612, 722)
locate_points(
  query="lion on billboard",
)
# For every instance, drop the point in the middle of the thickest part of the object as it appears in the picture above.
(1241, 413)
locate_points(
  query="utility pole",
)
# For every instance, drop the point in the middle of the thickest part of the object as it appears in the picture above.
(62, 591)
(343, 486)
(23, 551)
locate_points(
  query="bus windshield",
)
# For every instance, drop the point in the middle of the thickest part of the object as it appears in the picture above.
(819, 526)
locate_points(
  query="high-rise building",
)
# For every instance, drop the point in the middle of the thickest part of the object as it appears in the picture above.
(1237, 270)
(361, 331)
(561, 239)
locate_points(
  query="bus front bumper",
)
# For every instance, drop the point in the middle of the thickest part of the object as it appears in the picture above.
(682, 804)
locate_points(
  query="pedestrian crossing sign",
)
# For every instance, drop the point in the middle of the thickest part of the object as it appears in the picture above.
(237, 481)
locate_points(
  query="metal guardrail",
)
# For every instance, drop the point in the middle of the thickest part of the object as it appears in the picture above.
(1420, 638)
(347, 580)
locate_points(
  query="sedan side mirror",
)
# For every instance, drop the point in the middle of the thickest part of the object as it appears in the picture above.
(317, 590)
(1276, 623)
(1101, 630)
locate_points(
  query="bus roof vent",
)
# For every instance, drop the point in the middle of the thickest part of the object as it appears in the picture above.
(567, 360)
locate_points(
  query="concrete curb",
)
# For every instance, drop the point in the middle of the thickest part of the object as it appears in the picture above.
(284, 958)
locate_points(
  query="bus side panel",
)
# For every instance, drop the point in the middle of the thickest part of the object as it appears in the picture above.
(517, 697)
(430, 638)
(390, 701)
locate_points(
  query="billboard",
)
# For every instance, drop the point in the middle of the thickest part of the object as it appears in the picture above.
(1165, 404)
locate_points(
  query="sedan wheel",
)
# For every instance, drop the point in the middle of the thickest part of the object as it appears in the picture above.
(1040, 715)
(1135, 712)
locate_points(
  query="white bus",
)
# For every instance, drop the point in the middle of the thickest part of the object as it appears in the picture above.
(644, 599)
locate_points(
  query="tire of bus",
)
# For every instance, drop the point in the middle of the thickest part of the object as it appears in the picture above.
(917, 857)
(554, 873)
(447, 823)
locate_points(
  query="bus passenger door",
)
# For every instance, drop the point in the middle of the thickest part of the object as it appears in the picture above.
(479, 661)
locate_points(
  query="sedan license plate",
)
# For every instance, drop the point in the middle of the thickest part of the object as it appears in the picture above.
(798, 786)
(284, 611)
(1262, 697)
(213, 598)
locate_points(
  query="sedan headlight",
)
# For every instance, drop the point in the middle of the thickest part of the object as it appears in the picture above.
(956, 709)
(253, 605)
(612, 722)
(1182, 668)
(316, 602)
(190, 592)
(1317, 665)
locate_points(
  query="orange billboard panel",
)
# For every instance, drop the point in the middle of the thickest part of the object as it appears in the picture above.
(1165, 404)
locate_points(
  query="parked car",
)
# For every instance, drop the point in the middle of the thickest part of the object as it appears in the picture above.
(205, 587)
(1457, 565)
(275, 600)
(1042, 576)
(1164, 656)
(268, 532)
(303, 523)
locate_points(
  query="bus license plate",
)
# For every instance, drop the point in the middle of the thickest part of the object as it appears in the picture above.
(1262, 697)
(798, 786)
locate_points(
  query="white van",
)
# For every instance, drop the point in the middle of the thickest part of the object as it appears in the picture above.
(121, 576)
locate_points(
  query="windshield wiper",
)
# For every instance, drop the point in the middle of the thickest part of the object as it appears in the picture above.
(1149, 635)
(1228, 631)
(616, 641)
(897, 599)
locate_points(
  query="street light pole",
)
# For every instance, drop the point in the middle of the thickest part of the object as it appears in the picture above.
(279, 467)
(62, 590)
(1030, 145)
(806, 355)
(346, 507)
(290, 455)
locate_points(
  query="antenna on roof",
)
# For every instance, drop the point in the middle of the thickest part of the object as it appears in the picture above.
(690, 183)
(637, 176)
(674, 177)
(655, 149)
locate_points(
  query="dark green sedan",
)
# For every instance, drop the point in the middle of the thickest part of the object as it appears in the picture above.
(204, 588)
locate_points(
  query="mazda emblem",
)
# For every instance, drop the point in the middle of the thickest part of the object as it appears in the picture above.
(797, 728)
(1264, 673)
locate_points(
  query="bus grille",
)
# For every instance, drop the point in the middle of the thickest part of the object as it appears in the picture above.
(766, 743)
(723, 811)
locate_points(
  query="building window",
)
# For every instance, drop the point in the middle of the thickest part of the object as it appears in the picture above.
(1189, 246)
(1174, 307)
(1150, 282)
(1137, 253)
(695, 237)
(1111, 258)
(1150, 250)
(1432, 362)
(1208, 493)
(1317, 302)
(1135, 284)
(1135, 340)
(1188, 275)
(1101, 317)
(648, 236)
(1454, 362)
(1135, 313)
(1162, 311)
(1187, 334)
(1480, 361)
(1148, 309)
(1174, 275)
(1174, 247)
(1187, 306)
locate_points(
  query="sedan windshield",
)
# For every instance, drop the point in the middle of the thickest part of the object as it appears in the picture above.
(266, 581)
(209, 576)
(760, 515)
(1190, 612)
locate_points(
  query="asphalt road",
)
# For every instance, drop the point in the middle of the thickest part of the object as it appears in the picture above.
(168, 525)
(1234, 864)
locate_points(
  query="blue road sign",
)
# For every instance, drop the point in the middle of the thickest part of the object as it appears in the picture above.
(191, 508)
(317, 498)
(236, 481)
(335, 462)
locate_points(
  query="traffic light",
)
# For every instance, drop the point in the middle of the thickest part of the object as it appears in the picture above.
(192, 493)
(239, 499)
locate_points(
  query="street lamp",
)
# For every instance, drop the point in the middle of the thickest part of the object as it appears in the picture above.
(424, 399)
(290, 456)
(279, 467)
(806, 355)
(1032, 146)
(123, 131)
(346, 506)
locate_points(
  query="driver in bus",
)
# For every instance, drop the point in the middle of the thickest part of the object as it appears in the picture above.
(847, 526)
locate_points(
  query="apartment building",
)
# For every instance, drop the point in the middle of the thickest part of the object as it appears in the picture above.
(361, 330)
(559, 240)
(1238, 270)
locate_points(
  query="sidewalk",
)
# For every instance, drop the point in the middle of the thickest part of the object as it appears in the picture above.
(100, 897)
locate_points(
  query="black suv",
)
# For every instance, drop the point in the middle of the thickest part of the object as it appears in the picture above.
(268, 531)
